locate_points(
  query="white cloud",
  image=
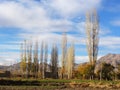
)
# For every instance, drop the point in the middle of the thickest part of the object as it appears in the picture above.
(41, 19)
(113, 7)
(18, 15)
(81, 59)
(70, 8)
(9, 47)
(8, 58)
(115, 22)
(103, 31)
(110, 41)
(30, 16)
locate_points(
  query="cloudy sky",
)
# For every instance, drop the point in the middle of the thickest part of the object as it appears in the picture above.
(46, 20)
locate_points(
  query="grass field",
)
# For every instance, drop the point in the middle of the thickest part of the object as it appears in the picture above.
(57, 84)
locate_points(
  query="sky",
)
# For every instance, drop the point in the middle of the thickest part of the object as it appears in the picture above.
(47, 20)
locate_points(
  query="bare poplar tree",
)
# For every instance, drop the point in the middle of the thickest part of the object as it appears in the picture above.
(54, 61)
(25, 58)
(36, 60)
(29, 53)
(22, 62)
(95, 37)
(45, 58)
(41, 60)
(64, 54)
(92, 31)
(88, 33)
(70, 61)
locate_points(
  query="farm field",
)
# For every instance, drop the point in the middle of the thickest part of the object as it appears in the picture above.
(57, 84)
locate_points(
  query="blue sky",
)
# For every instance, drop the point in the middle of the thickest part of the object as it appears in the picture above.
(48, 19)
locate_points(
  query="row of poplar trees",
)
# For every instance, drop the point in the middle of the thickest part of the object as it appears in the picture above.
(31, 64)
(34, 61)
(34, 64)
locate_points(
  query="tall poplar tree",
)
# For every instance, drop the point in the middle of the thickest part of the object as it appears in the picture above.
(23, 63)
(45, 60)
(92, 32)
(64, 55)
(70, 61)
(21, 57)
(36, 63)
(41, 60)
(54, 61)
(29, 53)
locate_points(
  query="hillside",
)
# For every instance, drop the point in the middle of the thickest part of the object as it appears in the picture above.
(11, 67)
(15, 67)
(113, 59)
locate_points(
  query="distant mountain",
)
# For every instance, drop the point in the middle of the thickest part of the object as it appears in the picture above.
(11, 67)
(3, 67)
(113, 59)
(16, 67)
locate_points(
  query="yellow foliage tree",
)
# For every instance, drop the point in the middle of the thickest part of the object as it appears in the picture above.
(23, 58)
(64, 56)
(85, 71)
(70, 62)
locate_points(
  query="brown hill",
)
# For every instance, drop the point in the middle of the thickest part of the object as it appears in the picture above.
(113, 59)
